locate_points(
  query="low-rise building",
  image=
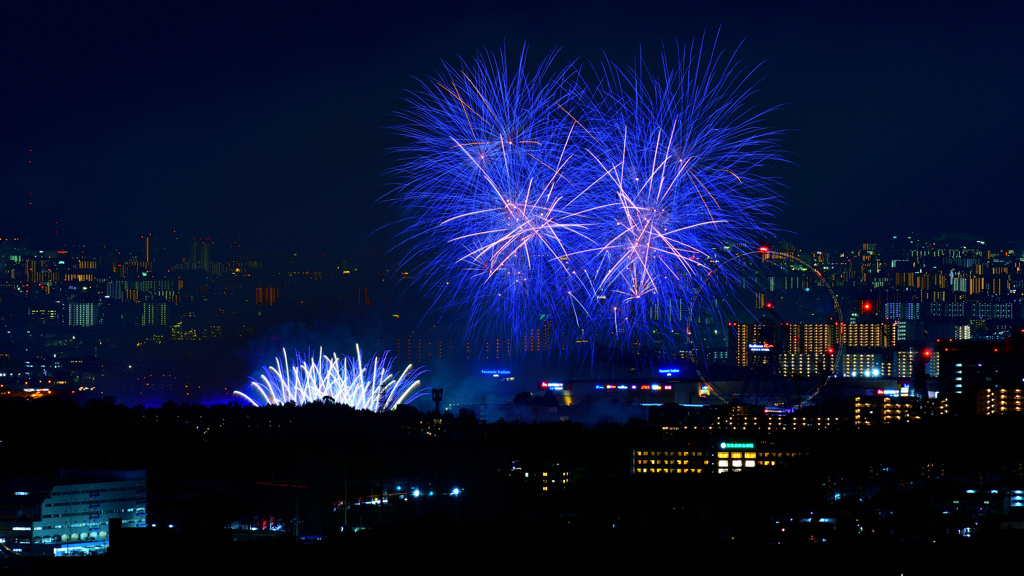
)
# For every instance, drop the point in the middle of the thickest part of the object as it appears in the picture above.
(70, 515)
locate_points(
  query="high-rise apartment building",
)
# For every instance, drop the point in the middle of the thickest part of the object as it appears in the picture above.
(154, 314)
(881, 335)
(82, 314)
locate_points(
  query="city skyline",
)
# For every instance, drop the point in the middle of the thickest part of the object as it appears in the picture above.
(211, 284)
(208, 151)
(204, 323)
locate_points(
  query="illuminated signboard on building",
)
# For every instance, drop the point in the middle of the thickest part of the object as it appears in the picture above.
(705, 390)
(556, 386)
(737, 445)
(760, 347)
(668, 371)
(636, 387)
(496, 373)
(893, 393)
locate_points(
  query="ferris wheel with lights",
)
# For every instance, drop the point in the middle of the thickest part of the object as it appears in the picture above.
(769, 331)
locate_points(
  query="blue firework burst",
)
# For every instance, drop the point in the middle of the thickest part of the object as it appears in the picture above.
(600, 208)
(493, 212)
(680, 158)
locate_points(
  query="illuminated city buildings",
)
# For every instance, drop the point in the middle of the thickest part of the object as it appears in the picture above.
(885, 409)
(999, 401)
(676, 460)
(712, 457)
(165, 310)
(71, 515)
(801, 349)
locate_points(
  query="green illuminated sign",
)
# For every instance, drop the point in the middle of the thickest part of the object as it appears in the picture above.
(737, 445)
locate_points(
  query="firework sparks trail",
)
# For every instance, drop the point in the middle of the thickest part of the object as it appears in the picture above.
(647, 238)
(598, 208)
(493, 212)
(372, 385)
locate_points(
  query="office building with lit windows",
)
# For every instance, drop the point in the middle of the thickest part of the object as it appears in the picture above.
(154, 314)
(999, 401)
(748, 455)
(717, 458)
(667, 460)
(82, 314)
(811, 338)
(741, 336)
(802, 349)
(881, 335)
(545, 477)
(746, 419)
(71, 515)
(863, 366)
(805, 365)
(735, 456)
(885, 409)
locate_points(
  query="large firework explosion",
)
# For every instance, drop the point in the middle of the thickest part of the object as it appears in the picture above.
(342, 380)
(598, 209)
(492, 217)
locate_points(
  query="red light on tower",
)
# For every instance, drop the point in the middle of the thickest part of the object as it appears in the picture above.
(763, 249)
(866, 307)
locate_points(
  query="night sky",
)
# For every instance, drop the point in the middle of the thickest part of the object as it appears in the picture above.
(268, 123)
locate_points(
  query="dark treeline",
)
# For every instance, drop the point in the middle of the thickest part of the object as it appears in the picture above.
(210, 467)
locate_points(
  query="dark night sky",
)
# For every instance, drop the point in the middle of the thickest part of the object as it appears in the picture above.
(269, 120)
